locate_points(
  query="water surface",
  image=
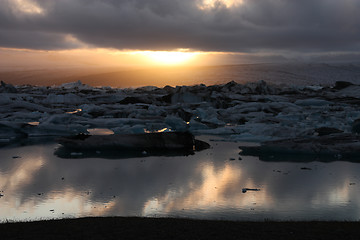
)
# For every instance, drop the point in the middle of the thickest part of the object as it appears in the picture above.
(37, 184)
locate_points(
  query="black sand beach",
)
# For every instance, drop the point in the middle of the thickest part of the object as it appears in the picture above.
(167, 228)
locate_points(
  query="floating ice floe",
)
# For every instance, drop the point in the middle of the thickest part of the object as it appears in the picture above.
(144, 141)
(130, 145)
(338, 143)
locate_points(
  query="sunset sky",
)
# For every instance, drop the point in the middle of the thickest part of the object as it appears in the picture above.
(170, 32)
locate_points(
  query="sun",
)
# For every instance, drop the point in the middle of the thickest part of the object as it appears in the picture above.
(169, 57)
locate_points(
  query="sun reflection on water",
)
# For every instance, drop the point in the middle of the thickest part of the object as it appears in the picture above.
(206, 185)
(218, 189)
(20, 175)
(100, 131)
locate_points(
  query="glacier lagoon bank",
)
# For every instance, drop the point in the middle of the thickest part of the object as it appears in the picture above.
(38, 181)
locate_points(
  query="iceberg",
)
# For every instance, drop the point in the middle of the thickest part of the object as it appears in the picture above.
(143, 142)
(330, 147)
(117, 146)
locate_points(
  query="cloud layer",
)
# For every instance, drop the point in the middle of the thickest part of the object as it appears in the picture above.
(206, 25)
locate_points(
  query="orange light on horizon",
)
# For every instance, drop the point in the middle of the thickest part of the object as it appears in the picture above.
(108, 57)
(167, 57)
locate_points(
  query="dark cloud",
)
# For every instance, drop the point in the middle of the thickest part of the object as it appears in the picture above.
(253, 26)
(37, 40)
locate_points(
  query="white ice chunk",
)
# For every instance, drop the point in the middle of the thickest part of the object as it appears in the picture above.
(49, 129)
(312, 102)
(314, 87)
(351, 91)
(78, 85)
(69, 98)
(4, 98)
(138, 128)
(195, 125)
(185, 97)
(176, 123)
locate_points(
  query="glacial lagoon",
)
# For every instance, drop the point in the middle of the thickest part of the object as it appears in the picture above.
(36, 183)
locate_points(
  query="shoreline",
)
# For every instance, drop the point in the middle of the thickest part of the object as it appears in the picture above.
(175, 228)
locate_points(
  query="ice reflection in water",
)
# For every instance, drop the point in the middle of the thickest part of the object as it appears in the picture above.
(205, 185)
(100, 131)
(34, 123)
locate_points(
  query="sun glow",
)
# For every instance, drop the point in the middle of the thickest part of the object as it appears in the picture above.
(28, 7)
(211, 4)
(169, 58)
(101, 57)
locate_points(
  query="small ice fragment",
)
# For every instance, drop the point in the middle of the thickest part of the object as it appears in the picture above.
(314, 88)
(144, 152)
(244, 190)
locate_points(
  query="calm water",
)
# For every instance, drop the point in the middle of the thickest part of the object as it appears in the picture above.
(37, 184)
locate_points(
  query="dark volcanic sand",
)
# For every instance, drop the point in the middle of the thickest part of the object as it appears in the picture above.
(164, 228)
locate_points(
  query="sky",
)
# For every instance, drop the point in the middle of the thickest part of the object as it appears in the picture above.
(129, 31)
